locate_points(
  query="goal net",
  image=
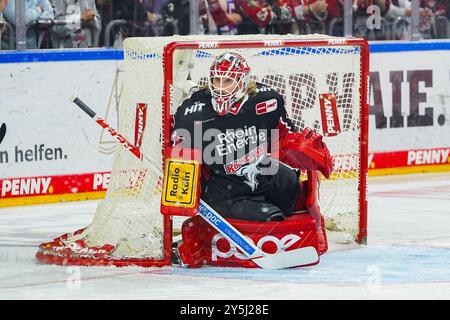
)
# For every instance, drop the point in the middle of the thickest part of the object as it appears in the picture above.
(159, 74)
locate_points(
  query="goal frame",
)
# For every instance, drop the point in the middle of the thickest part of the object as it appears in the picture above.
(168, 64)
(70, 248)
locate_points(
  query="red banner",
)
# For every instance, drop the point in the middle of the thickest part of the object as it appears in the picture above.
(53, 185)
(27, 187)
(409, 158)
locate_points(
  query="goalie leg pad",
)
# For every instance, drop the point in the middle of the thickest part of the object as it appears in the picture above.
(300, 203)
(306, 201)
(195, 231)
(204, 245)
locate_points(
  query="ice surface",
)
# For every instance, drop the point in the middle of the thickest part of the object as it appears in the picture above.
(408, 256)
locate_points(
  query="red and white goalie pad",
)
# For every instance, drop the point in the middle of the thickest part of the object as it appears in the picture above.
(203, 245)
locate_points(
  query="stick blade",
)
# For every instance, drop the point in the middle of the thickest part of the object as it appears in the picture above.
(301, 257)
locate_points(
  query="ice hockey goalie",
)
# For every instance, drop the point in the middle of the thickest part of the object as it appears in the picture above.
(252, 155)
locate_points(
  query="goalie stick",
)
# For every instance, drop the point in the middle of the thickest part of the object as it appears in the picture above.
(294, 258)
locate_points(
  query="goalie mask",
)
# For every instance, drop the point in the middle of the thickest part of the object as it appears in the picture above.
(228, 81)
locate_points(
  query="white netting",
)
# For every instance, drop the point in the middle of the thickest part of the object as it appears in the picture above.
(131, 209)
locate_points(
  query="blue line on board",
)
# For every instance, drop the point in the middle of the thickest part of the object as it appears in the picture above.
(60, 55)
(117, 54)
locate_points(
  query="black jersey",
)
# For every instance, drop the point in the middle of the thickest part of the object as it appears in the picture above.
(235, 147)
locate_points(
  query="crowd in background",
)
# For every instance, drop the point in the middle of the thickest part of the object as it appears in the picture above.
(93, 23)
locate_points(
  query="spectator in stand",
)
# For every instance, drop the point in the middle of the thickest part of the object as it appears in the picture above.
(282, 17)
(335, 10)
(399, 15)
(315, 16)
(3, 4)
(311, 16)
(437, 7)
(261, 16)
(148, 18)
(219, 17)
(181, 14)
(105, 8)
(139, 14)
(363, 13)
(433, 22)
(34, 10)
(401, 9)
(83, 23)
(447, 9)
(131, 10)
(398, 8)
(173, 17)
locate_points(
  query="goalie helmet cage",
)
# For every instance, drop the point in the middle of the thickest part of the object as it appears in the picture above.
(301, 68)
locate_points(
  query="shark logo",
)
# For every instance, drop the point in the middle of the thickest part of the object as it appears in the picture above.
(251, 171)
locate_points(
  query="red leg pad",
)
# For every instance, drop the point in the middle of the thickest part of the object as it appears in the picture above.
(204, 245)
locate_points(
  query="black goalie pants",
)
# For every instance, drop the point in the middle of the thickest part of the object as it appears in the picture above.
(274, 204)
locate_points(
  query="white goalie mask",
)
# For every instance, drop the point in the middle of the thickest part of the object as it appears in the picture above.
(228, 81)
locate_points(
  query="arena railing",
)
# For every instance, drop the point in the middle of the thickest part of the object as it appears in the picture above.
(42, 26)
